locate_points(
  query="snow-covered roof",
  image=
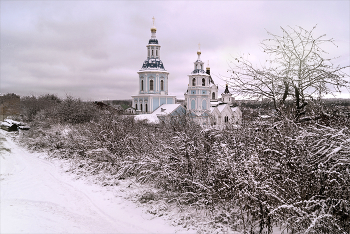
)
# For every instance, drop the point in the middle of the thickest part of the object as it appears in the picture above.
(152, 63)
(215, 103)
(221, 107)
(166, 109)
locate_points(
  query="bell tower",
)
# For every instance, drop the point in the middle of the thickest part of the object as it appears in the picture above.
(153, 79)
(197, 97)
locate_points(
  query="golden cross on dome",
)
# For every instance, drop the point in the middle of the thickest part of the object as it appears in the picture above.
(199, 46)
(153, 20)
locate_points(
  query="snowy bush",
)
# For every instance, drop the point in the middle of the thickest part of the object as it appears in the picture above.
(251, 179)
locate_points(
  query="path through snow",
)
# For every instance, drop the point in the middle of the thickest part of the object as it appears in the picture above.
(38, 197)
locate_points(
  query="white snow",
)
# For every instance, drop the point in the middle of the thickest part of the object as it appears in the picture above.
(265, 116)
(6, 124)
(37, 196)
(150, 118)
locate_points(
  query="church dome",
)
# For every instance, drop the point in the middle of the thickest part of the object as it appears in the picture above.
(198, 71)
(153, 29)
(151, 63)
(153, 41)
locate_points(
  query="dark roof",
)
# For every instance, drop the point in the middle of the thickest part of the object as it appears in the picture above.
(226, 90)
(153, 63)
(211, 80)
(153, 41)
(198, 71)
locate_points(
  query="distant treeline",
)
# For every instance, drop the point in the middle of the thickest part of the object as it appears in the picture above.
(266, 104)
(123, 103)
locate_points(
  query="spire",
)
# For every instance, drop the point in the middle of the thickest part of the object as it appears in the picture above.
(208, 69)
(153, 39)
(153, 30)
(199, 51)
(153, 61)
(226, 90)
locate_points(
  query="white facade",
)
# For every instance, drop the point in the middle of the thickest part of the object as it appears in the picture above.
(201, 98)
(200, 89)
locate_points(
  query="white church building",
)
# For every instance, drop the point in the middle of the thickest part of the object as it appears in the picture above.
(202, 101)
(201, 98)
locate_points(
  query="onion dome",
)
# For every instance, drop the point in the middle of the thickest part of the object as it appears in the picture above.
(153, 29)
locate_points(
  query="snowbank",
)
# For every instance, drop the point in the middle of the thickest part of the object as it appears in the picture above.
(37, 196)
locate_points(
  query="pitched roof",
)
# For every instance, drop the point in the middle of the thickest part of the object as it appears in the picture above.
(221, 107)
(166, 109)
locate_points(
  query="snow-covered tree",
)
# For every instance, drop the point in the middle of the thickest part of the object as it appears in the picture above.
(297, 69)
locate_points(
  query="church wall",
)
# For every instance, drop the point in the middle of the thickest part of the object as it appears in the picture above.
(170, 101)
(162, 101)
(156, 77)
(155, 103)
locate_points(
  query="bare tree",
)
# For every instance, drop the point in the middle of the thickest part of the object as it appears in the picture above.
(296, 69)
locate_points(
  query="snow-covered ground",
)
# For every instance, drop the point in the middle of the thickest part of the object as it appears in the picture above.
(37, 196)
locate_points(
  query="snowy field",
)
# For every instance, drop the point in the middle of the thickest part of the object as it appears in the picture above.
(37, 196)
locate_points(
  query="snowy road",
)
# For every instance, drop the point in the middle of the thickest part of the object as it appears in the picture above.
(38, 197)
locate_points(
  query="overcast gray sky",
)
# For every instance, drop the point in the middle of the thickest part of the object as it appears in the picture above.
(93, 49)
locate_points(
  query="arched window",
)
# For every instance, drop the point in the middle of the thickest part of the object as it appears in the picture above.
(136, 106)
(151, 85)
(213, 95)
(203, 82)
(194, 82)
(146, 107)
(141, 85)
(204, 105)
(152, 52)
(141, 107)
(148, 52)
(157, 53)
(193, 104)
(226, 119)
(162, 85)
